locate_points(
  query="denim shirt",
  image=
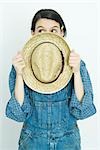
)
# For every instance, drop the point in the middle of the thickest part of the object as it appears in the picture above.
(57, 111)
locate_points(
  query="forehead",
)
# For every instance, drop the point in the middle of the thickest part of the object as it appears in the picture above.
(47, 23)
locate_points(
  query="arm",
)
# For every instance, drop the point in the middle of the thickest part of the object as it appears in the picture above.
(78, 86)
(19, 89)
(13, 108)
(74, 62)
(84, 108)
(19, 64)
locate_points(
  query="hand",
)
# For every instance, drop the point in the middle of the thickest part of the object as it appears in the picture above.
(74, 61)
(18, 63)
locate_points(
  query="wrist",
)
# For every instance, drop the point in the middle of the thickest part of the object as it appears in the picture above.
(18, 74)
(19, 77)
(76, 71)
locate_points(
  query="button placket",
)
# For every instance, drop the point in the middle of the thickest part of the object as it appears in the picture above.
(59, 115)
(49, 124)
(39, 114)
(53, 142)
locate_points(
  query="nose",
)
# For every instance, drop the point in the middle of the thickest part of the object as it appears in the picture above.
(48, 31)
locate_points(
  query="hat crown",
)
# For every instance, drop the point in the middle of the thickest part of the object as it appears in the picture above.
(46, 62)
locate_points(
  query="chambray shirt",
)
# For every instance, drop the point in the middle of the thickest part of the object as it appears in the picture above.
(58, 111)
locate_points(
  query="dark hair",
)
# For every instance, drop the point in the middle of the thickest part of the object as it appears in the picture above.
(49, 14)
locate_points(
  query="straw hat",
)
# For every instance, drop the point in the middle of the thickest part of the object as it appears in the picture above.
(46, 58)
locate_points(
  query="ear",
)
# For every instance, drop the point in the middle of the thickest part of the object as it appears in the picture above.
(62, 31)
(32, 32)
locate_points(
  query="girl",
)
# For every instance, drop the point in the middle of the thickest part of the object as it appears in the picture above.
(28, 106)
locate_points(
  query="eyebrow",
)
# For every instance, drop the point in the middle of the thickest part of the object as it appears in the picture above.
(44, 27)
(55, 27)
(40, 27)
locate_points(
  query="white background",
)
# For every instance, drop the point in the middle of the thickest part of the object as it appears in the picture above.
(81, 19)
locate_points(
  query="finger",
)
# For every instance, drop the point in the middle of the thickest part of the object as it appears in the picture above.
(22, 66)
(70, 62)
(17, 60)
(73, 59)
(20, 63)
(73, 54)
(19, 56)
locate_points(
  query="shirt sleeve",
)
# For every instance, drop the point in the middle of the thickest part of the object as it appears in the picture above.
(13, 108)
(85, 108)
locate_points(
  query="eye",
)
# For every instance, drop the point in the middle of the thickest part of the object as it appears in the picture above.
(41, 30)
(54, 30)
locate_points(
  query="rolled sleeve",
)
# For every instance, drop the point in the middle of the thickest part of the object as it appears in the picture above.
(13, 109)
(85, 108)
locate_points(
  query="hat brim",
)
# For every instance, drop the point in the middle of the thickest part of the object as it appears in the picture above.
(28, 75)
